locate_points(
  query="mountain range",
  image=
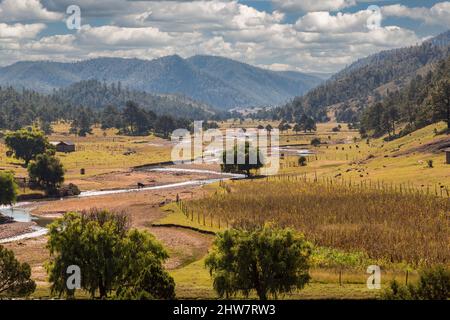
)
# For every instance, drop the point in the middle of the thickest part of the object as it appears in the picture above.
(372, 78)
(219, 82)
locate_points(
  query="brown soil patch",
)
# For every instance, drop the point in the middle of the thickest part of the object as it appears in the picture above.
(8, 230)
(33, 252)
(184, 246)
(130, 178)
(142, 207)
(435, 146)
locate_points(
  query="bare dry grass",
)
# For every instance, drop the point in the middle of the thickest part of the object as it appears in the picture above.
(388, 226)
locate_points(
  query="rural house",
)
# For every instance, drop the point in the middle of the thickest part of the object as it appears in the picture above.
(63, 146)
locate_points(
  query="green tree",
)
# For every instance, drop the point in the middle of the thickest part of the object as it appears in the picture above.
(284, 126)
(46, 127)
(47, 172)
(306, 123)
(165, 125)
(8, 188)
(310, 124)
(137, 121)
(110, 118)
(372, 119)
(27, 143)
(440, 99)
(15, 277)
(143, 275)
(267, 260)
(252, 159)
(82, 124)
(111, 257)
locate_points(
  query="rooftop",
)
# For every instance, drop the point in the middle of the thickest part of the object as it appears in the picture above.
(55, 143)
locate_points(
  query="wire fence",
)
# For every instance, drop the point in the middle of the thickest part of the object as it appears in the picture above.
(209, 219)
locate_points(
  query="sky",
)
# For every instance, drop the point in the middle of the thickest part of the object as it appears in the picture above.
(313, 36)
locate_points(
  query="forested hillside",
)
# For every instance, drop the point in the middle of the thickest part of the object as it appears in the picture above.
(98, 95)
(19, 108)
(424, 101)
(362, 83)
(218, 82)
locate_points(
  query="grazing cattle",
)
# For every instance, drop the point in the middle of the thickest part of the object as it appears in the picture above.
(140, 185)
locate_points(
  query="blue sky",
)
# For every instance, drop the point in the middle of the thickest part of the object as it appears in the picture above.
(303, 35)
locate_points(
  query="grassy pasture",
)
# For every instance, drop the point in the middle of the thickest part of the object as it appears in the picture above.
(104, 151)
(401, 161)
(99, 153)
(194, 282)
(344, 153)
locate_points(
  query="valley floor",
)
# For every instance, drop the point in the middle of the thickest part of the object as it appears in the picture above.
(402, 163)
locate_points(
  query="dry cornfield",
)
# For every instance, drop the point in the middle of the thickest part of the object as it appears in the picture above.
(388, 226)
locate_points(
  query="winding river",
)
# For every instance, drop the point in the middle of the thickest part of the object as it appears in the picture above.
(21, 213)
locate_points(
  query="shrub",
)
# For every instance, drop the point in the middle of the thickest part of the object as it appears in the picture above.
(336, 129)
(397, 291)
(302, 161)
(340, 261)
(69, 190)
(315, 142)
(434, 284)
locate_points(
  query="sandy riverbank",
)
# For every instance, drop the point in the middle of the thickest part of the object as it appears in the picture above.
(14, 229)
(130, 178)
(143, 208)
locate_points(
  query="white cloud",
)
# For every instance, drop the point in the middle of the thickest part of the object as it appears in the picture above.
(199, 15)
(276, 67)
(58, 44)
(318, 41)
(122, 37)
(20, 31)
(26, 10)
(313, 5)
(97, 8)
(341, 22)
(439, 14)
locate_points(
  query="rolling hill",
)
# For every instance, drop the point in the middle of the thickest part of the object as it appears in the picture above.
(219, 82)
(371, 79)
(97, 95)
